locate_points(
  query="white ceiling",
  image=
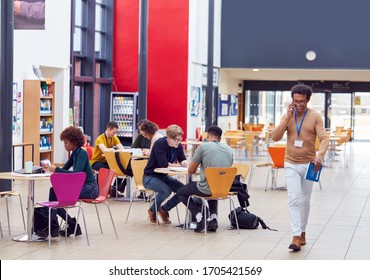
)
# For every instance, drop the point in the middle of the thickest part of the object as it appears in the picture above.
(299, 74)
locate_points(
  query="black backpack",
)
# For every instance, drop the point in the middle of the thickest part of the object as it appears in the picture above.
(241, 190)
(246, 220)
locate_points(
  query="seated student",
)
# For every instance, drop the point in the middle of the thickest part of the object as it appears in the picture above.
(107, 141)
(150, 131)
(73, 141)
(140, 141)
(143, 143)
(209, 154)
(166, 151)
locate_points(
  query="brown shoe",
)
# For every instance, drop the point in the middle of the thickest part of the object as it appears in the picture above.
(152, 217)
(296, 243)
(303, 238)
(164, 215)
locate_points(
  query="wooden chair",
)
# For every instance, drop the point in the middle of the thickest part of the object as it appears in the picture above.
(235, 141)
(118, 161)
(138, 167)
(6, 194)
(219, 181)
(105, 179)
(242, 169)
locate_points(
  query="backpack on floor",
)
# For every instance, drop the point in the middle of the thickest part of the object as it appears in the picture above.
(246, 220)
(40, 218)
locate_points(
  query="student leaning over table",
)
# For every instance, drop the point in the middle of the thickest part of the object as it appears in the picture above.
(303, 125)
(166, 152)
(149, 130)
(73, 141)
(107, 141)
(209, 154)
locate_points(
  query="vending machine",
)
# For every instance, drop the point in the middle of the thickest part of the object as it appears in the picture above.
(123, 110)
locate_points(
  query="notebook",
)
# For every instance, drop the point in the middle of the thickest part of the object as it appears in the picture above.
(311, 174)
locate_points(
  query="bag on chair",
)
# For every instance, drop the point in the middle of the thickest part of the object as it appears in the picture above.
(241, 190)
(246, 220)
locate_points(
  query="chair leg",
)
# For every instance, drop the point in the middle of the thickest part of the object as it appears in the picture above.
(129, 208)
(187, 214)
(111, 217)
(20, 202)
(83, 218)
(236, 217)
(97, 214)
(7, 213)
(205, 208)
(251, 176)
(178, 216)
(49, 222)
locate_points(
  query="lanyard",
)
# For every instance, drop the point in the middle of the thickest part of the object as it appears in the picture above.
(296, 121)
(106, 140)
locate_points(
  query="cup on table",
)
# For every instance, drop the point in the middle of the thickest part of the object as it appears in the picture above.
(29, 165)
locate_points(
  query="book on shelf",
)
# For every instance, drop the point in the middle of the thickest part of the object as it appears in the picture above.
(311, 174)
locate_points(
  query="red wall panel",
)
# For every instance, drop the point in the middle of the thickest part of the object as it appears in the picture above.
(126, 38)
(167, 57)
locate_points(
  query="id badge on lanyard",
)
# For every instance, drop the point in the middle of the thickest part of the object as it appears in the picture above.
(298, 142)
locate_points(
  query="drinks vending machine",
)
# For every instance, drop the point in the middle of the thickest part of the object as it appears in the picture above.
(123, 110)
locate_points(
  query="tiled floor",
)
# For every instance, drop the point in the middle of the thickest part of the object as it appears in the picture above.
(339, 225)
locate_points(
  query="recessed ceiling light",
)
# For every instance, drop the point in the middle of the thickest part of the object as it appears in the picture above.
(255, 70)
(310, 55)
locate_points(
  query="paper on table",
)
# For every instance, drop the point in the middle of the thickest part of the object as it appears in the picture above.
(178, 169)
(311, 174)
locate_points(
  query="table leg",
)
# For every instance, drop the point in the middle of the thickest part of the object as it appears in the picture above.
(29, 237)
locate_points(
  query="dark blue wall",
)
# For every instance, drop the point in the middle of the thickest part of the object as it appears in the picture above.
(278, 33)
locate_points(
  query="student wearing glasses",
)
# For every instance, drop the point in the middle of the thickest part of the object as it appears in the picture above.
(302, 125)
(166, 152)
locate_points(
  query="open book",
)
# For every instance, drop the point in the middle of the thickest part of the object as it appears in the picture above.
(311, 174)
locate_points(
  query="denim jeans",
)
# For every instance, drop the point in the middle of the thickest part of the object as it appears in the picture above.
(299, 195)
(164, 186)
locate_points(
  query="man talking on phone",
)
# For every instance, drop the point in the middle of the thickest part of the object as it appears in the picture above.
(303, 125)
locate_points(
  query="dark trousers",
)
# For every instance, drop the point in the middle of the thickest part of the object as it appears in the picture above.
(195, 208)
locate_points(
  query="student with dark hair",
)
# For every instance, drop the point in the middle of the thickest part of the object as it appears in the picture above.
(107, 141)
(303, 125)
(73, 139)
(140, 141)
(150, 131)
(209, 154)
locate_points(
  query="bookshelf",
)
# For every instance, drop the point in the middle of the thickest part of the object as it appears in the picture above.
(38, 117)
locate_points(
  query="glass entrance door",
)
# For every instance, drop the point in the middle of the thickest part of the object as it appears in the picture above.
(361, 106)
(341, 110)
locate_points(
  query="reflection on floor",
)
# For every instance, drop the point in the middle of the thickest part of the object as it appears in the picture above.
(339, 225)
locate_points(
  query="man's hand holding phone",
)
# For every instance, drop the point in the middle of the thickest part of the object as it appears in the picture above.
(291, 110)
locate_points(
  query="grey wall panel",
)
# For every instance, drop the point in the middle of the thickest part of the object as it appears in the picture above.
(277, 34)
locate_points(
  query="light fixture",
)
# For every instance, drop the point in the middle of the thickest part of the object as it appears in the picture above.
(310, 55)
(255, 69)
